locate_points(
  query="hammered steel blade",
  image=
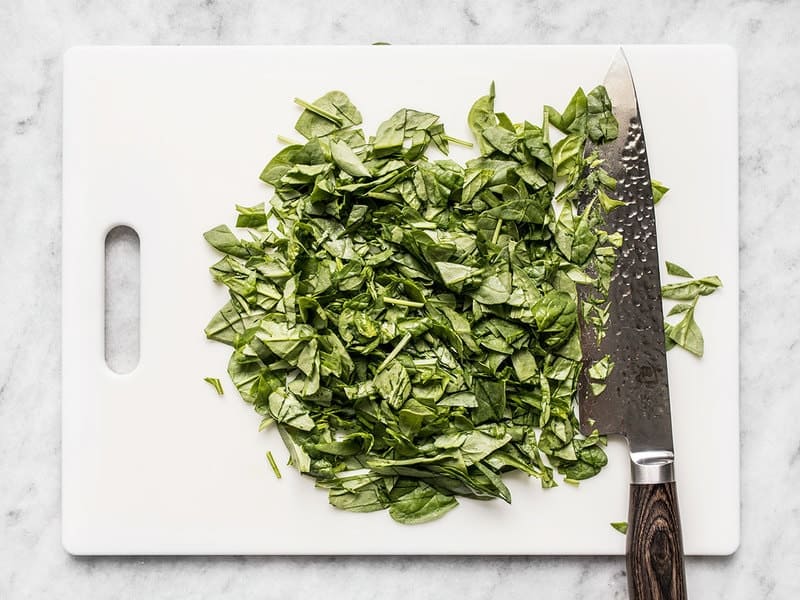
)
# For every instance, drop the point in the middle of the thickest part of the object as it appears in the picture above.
(635, 402)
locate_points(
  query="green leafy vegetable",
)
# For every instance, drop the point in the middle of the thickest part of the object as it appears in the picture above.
(677, 270)
(588, 115)
(411, 326)
(659, 189)
(686, 333)
(482, 117)
(573, 119)
(621, 526)
(599, 372)
(420, 505)
(332, 112)
(215, 383)
(601, 126)
(689, 290)
(347, 160)
(273, 464)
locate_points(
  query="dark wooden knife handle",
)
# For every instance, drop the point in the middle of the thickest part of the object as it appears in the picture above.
(655, 546)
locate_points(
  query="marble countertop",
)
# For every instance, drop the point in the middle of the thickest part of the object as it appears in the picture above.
(33, 38)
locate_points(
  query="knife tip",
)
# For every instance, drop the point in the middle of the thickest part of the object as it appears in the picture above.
(619, 81)
(619, 64)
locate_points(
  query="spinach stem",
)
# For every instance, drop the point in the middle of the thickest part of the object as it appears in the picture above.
(496, 235)
(546, 127)
(400, 302)
(394, 353)
(460, 142)
(474, 273)
(272, 464)
(318, 111)
(288, 141)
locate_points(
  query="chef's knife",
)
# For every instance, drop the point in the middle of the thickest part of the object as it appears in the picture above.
(635, 402)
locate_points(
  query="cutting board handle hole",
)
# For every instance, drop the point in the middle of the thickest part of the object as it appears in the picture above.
(122, 299)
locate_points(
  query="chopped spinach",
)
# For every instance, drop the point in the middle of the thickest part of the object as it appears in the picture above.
(659, 189)
(411, 325)
(686, 333)
(677, 270)
(621, 526)
(215, 383)
(273, 464)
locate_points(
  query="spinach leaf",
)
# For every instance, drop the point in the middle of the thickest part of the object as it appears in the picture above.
(215, 383)
(357, 494)
(689, 290)
(576, 237)
(555, 316)
(568, 155)
(481, 117)
(393, 384)
(422, 504)
(659, 189)
(677, 270)
(329, 113)
(601, 126)
(222, 239)
(573, 119)
(621, 526)
(286, 408)
(347, 160)
(686, 333)
(253, 217)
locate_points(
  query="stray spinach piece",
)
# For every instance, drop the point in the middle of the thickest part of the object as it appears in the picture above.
(659, 189)
(689, 290)
(686, 333)
(215, 383)
(621, 526)
(677, 270)
(333, 112)
(253, 217)
(273, 464)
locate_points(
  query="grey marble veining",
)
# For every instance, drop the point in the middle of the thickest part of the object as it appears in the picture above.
(33, 37)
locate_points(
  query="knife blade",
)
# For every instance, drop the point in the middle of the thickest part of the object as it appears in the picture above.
(635, 402)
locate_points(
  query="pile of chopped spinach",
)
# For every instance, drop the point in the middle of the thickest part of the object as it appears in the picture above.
(410, 325)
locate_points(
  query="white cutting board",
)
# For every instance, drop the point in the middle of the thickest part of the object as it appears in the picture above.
(167, 140)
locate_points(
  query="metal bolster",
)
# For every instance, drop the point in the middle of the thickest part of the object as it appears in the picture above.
(652, 466)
